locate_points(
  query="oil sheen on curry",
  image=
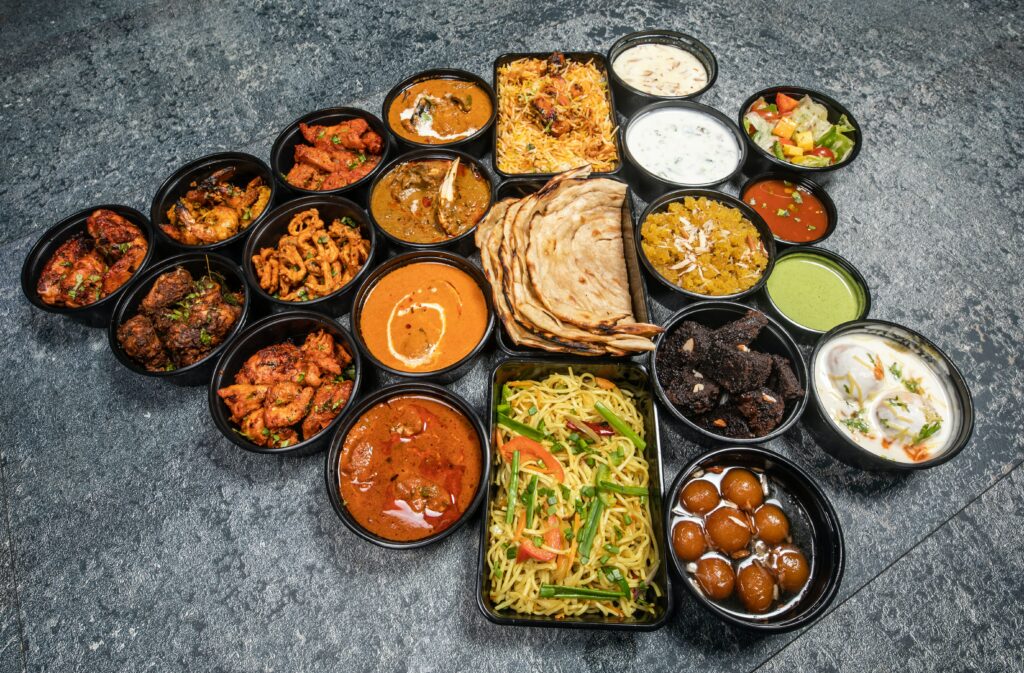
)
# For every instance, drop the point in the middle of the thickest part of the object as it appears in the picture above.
(409, 468)
(430, 200)
(439, 111)
(423, 317)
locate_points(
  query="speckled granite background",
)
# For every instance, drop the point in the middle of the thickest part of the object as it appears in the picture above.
(133, 537)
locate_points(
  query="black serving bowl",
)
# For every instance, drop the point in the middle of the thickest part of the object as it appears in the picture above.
(293, 326)
(831, 214)
(631, 99)
(453, 371)
(96, 314)
(275, 226)
(839, 444)
(585, 56)
(661, 204)
(198, 264)
(477, 143)
(463, 243)
(773, 339)
(759, 161)
(332, 476)
(650, 186)
(810, 334)
(282, 154)
(629, 376)
(820, 527)
(180, 181)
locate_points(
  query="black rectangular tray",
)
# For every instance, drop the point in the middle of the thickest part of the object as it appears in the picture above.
(628, 375)
(598, 60)
(520, 187)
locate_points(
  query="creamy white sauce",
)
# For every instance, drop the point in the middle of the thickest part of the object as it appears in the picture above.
(683, 146)
(884, 397)
(661, 70)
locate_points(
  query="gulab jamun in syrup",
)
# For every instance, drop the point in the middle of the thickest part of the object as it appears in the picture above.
(700, 496)
(771, 524)
(715, 577)
(791, 568)
(728, 529)
(688, 540)
(756, 588)
(743, 488)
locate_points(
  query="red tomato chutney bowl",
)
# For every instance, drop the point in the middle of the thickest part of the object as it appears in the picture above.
(408, 466)
(797, 209)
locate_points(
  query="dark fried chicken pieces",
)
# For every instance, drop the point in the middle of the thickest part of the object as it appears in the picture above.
(180, 320)
(92, 264)
(721, 382)
(283, 386)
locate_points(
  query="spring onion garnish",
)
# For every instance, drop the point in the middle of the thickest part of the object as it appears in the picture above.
(531, 500)
(620, 426)
(520, 428)
(558, 591)
(610, 487)
(513, 486)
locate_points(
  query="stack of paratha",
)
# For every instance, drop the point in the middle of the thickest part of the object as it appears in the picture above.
(557, 268)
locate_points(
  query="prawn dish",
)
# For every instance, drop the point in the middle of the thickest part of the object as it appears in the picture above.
(93, 264)
(312, 260)
(214, 209)
(180, 320)
(284, 392)
(336, 156)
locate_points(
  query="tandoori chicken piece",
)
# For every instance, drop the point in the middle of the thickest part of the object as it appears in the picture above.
(138, 337)
(336, 156)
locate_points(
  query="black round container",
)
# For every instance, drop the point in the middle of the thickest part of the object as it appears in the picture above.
(198, 264)
(773, 339)
(476, 144)
(282, 154)
(825, 534)
(275, 226)
(332, 476)
(650, 186)
(453, 371)
(630, 99)
(839, 444)
(831, 215)
(180, 181)
(759, 161)
(661, 204)
(463, 243)
(275, 329)
(809, 334)
(96, 314)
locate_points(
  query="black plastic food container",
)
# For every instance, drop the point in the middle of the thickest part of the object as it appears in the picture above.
(661, 204)
(461, 244)
(293, 326)
(759, 161)
(198, 264)
(520, 187)
(96, 314)
(773, 339)
(476, 144)
(626, 375)
(650, 186)
(282, 154)
(275, 226)
(453, 371)
(831, 215)
(842, 447)
(825, 534)
(332, 464)
(180, 181)
(584, 56)
(630, 99)
(803, 333)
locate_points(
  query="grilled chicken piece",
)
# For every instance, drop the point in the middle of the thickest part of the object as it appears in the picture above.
(270, 365)
(140, 342)
(51, 285)
(320, 349)
(287, 403)
(168, 289)
(328, 402)
(243, 399)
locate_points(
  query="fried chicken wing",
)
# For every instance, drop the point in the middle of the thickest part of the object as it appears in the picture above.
(138, 337)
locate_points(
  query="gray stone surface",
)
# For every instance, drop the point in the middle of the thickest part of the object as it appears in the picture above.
(143, 540)
(952, 599)
(10, 636)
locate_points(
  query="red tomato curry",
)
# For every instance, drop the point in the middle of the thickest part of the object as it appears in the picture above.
(409, 468)
(791, 211)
